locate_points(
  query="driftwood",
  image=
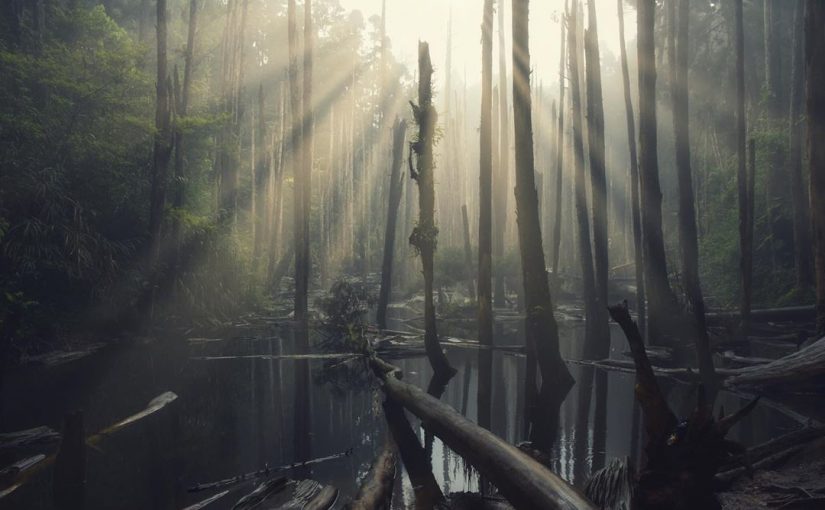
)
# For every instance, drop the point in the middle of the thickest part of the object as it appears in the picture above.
(154, 406)
(804, 369)
(756, 454)
(206, 502)
(266, 471)
(523, 481)
(375, 492)
(281, 493)
(9, 473)
(36, 436)
(682, 458)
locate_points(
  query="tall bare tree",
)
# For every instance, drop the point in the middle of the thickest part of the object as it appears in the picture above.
(582, 218)
(541, 329)
(559, 150)
(815, 81)
(163, 137)
(635, 205)
(501, 176)
(661, 299)
(485, 221)
(801, 210)
(424, 235)
(688, 240)
(745, 241)
(396, 189)
(595, 143)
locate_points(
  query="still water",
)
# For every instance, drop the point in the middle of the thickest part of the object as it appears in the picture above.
(239, 411)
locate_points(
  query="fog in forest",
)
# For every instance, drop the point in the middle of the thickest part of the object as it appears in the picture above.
(399, 254)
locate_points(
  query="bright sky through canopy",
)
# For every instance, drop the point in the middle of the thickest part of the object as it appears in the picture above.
(411, 20)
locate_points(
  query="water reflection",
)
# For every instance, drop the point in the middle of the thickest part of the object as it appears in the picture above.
(235, 416)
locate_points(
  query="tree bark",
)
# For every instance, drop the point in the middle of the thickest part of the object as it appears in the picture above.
(815, 78)
(688, 240)
(582, 219)
(485, 217)
(163, 138)
(424, 235)
(559, 151)
(801, 211)
(541, 329)
(468, 253)
(638, 249)
(182, 110)
(502, 172)
(595, 144)
(661, 299)
(396, 189)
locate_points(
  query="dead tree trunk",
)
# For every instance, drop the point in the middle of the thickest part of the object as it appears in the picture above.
(741, 174)
(468, 254)
(595, 144)
(559, 151)
(502, 173)
(163, 138)
(582, 220)
(815, 76)
(296, 156)
(660, 296)
(681, 460)
(635, 206)
(182, 110)
(485, 186)
(259, 181)
(424, 235)
(541, 329)
(687, 214)
(801, 211)
(304, 177)
(396, 189)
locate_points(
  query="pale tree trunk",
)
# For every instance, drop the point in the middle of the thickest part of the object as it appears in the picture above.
(396, 189)
(595, 144)
(502, 173)
(424, 235)
(468, 254)
(635, 207)
(485, 221)
(815, 78)
(559, 151)
(541, 329)
(688, 240)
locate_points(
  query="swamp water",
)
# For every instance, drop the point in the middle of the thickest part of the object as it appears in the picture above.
(240, 408)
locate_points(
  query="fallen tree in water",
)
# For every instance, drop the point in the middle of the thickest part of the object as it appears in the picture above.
(375, 492)
(522, 480)
(802, 370)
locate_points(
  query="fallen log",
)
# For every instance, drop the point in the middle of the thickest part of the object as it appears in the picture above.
(376, 491)
(524, 482)
(266, 471)
(155, 405)
(206, 502)
(804, 369)
(790, 313)
(36, 436)
(284, 494)
(756, 454)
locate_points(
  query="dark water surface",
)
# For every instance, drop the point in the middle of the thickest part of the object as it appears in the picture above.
(236, 415)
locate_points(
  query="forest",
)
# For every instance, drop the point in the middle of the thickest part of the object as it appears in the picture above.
(412, 254)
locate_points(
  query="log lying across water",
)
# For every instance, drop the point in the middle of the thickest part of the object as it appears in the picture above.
(790, 313)
(804, 369)
(523, 481)
(376, 491)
